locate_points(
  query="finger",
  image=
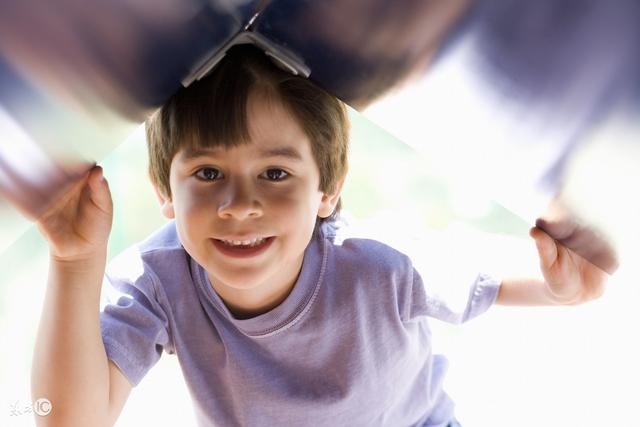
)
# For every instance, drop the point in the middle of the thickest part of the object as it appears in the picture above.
(547, 248)
(100, 193)
(69, 194)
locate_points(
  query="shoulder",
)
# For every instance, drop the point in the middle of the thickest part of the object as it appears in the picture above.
(373, 272)
(382, 273)
(165, 239)
(364, 254)
(369, 253)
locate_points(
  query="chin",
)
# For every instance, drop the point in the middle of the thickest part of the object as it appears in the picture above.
(242, 281)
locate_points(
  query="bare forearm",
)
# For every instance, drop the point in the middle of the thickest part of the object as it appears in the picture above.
(70, 366)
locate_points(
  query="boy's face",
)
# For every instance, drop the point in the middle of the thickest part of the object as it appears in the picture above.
(247, 213)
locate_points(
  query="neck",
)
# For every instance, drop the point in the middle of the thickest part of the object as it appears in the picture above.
(252, 302)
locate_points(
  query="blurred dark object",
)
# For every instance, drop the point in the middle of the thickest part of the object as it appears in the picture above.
(129, 55)
(76, 76)
(516, 94)
(569, 62)
(513, 88)
(574, 66)
(360, 49)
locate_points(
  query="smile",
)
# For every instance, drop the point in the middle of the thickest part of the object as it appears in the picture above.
(243, 248)
(253, 242)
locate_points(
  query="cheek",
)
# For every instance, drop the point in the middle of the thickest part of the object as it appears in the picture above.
(295, 202)
(191, 201)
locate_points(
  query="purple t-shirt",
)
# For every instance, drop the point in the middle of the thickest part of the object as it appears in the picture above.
(349, 346)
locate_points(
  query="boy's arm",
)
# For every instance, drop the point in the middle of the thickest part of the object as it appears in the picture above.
(569, 279)
(70, 366)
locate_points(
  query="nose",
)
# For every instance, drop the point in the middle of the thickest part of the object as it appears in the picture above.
(239, 201)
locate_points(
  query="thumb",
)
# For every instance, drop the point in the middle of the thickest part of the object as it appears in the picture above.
(100, 194)
(547, 249)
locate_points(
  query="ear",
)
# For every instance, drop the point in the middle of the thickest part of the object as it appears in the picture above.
(166, 204)
(329, 201)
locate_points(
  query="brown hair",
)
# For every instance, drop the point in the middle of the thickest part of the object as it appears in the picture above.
(213, 112)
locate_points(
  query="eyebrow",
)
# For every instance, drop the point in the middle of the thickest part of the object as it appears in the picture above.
(284, 151)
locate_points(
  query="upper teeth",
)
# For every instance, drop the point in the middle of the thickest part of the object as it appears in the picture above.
(251, 242)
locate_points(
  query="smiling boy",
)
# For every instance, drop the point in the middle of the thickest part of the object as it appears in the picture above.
(246, 214)
(273, 320)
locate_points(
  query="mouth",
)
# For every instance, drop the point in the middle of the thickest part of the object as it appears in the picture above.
(243, 248)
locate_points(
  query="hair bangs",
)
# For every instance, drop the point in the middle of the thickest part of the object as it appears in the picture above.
(213, 112)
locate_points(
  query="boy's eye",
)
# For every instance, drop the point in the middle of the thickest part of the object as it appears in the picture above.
(275, 174)
(208, 174)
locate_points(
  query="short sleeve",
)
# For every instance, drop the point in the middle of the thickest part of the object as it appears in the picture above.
(482, 294)
(133, 322)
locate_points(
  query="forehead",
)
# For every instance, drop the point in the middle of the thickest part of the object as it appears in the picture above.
(268, 119)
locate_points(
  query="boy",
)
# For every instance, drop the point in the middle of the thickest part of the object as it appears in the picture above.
(273, 322)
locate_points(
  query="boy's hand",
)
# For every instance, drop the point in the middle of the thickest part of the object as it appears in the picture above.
(570, 278)
(77, 225)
